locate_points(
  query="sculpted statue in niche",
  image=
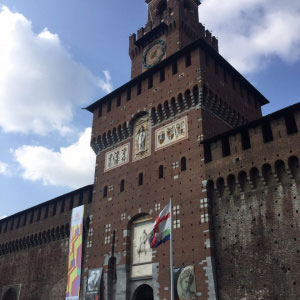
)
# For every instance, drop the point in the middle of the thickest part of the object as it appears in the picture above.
(142, 139)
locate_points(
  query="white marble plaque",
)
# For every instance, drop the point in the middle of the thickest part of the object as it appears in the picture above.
(117, 157)
(141, 250)
(171, 133)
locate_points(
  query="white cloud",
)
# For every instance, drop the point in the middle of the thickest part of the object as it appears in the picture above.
(252, 32)
(40, 82)
(72, 166)
(5, 169)
(3, 217)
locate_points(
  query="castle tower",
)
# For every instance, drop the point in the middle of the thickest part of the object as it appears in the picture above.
(176, 25)
(147, 136)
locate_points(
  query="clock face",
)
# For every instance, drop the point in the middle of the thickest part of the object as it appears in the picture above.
(153, 54)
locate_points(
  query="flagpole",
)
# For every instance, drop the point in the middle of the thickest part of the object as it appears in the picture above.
(171, 253)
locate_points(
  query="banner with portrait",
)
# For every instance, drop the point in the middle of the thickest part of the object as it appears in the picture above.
(184, 283)
(75, 254)
(93, 284)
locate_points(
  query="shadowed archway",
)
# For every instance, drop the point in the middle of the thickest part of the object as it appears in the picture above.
(143, 292)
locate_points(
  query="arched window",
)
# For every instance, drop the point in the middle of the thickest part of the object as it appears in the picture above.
(122, 185)
(105, 192)
(183, 164)
(141, 178)
(161, 171)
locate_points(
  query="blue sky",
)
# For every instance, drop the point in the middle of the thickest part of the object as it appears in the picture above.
(59, 56)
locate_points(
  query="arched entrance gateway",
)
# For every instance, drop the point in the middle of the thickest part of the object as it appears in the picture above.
(143, 292)
(10, 294)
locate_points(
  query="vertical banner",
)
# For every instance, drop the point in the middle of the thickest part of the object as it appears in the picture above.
(93, 284)
(75, 254)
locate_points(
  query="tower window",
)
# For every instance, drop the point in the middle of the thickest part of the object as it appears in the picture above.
(128, 94)
(46, 212)
(119, 100)
(25, 220)
(139, 88)
(39, 214)
(54, 209)
(108, 106)
(162, 74)
(141, 178)
(32, 217)
(207, 153)
(150, 82)
(99, 110)
(71, 203)
(161, 171)
(246, 144)
(62, 208)
(183, 164)
(188, 59)
(105, 192)
(267, 132)
(225, 146)
(290, 123)
(174, 67)
(216, 68)
(80, 198)
(122, 185)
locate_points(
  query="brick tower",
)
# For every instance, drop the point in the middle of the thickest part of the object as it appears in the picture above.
(147, 136)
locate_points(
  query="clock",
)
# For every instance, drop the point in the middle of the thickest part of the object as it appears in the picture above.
(153, 54)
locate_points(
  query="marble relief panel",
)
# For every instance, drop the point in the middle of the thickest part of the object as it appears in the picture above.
(171, 133)
(117, 157)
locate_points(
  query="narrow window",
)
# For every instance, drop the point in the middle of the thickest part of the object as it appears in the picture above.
(246, 144)
(46, 212)
(128, 94)
(216, 68)
(225, 146)
(225, 76)
(119, 100)
(12, 224)
(39, 214)
(122, 185)
(141, 178)
(18, 222)
(174, 67)
(139, 88)
(105, 192)
(207, 153)
(25, 220)
(80, 198)
(206, 59)
(241, 91)
(71, 203)
(267, 132)
(62, 208)
(5, 228)
(161, 172)
(233, 83)
(90, 199)
(183, 164)
(162, 75)
(188, 59)
(54, 209)
(99, 110)
(108, 106)
(150, 82)
(32, 217)
(290, 123)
